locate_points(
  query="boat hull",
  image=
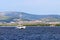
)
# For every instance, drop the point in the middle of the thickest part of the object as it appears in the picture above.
(21, 27)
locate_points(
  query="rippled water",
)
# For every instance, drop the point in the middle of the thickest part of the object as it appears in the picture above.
(30, 33)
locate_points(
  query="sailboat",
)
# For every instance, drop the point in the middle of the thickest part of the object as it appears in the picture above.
(20, 26)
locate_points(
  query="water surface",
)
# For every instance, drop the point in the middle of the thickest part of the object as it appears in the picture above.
(30, 33)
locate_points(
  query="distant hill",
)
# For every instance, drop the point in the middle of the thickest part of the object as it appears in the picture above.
(24, 15)
(10, 16)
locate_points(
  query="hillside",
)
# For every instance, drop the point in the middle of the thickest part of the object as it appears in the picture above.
(10, 16)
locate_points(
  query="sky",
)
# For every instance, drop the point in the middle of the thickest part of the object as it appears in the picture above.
(39, 7)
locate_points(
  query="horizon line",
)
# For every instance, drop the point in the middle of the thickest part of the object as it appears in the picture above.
(28, 13)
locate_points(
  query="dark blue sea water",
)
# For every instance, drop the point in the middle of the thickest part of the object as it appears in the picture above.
(30, 33)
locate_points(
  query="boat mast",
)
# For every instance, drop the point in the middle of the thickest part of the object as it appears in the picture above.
(20, 23)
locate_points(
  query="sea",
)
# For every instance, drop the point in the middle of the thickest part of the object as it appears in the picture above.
(30, 33)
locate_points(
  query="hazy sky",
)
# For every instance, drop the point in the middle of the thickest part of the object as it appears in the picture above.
(31, 6)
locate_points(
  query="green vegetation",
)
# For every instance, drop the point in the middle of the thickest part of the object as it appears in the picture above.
(36, 24)
(8, 24)
(57, 25)
(30, 24)
(4, 17)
